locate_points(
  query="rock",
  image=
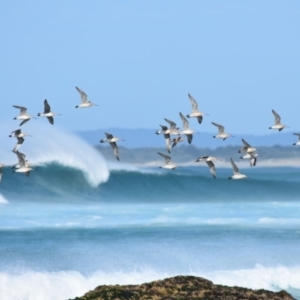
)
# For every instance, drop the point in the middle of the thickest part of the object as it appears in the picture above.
(181, 288)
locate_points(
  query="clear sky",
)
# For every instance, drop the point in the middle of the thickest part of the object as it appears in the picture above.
(139, 59)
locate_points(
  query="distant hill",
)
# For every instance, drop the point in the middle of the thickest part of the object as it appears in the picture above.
(145, 138)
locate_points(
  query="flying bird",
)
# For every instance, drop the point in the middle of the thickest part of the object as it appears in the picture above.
(177, 140)
(236, 173)
(186, 129)
(23, 114)
(47, 112)
(24, 166)
(252, 156)
(278, 124)
(20, 137)
(247, 148)
(209, 161)
(173, 130)
(297, 143)
(168, 164)
(112, 141)
(222, 134)
(195, 111)
(84, 100)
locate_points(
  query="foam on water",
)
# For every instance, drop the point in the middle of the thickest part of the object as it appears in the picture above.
(50, 144)
(32, 285)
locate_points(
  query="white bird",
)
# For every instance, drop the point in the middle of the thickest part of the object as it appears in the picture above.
(112, 141)
(24, 166)
(1, 165)
(163, 131)
(84, 100)
(168, 164)
(48, 113)
(23, 115)
(20, 137)
(252, 156)
(236, 173)
(208, 159)
(173, 130)
(195, 112)
(247, 148)
(297, 143)
(186, 129)
(222, 134)
(277, 125)
(177, 140)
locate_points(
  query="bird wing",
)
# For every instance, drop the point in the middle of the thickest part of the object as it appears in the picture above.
(185, 123)
(166, 157)
(245, 143)
(51, 120)
(22, 109)
(194, 103)
(47, 108)
(21, 159)
(83, 95)
(24, 121)
(172, 124)
(108, 135)
(163, 127)
(16, 132)
(220, 127)
(276, 116)
(168, 142)
(116, 149)
(200, 118)
(189, 137)
(212, 168)
(20, 140)
(234, 167)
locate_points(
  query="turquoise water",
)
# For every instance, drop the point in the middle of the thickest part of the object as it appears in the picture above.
(61, 236)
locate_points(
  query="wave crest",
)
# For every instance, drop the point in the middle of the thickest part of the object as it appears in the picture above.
(50, 144)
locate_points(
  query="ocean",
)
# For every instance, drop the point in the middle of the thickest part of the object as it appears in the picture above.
(78, 221)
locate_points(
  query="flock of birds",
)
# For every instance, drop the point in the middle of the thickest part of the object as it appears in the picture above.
(23, 166)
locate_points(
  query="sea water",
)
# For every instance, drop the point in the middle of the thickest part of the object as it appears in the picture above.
(77, 222)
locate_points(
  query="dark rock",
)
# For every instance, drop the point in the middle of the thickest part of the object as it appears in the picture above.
(181, 288)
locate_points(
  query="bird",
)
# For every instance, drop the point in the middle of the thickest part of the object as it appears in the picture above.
(253, 158)
(1, 165)
(208, 159)
(195, 112)
(84, 100)
(177, 140)
(277, 125)
(47, 112)
(23, 115)
(168, 164)
(236, 173)
(247, 148)
(20, 137)
(186, 129)
(297, 143)
(221, 134)
(163, 131)
(173, 130)
(24, 166)
(112, 141)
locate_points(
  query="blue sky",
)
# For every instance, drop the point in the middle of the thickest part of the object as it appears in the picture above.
(139, 59)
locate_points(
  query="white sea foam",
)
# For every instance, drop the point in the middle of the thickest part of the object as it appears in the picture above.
(50, 144)
(31, 285)
(279, 221)
(3, 200)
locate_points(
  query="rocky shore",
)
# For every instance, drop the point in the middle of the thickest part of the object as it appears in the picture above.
(181, 288)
